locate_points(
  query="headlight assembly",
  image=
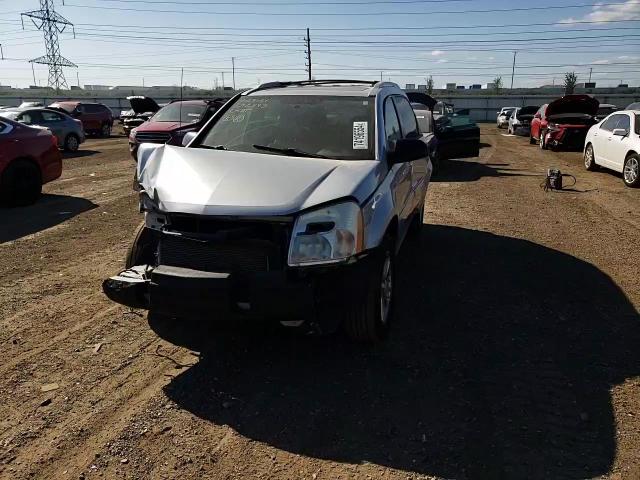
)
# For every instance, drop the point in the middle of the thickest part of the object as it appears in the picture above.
(327, 235)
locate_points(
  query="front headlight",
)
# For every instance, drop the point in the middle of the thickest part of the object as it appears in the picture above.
(328, 235)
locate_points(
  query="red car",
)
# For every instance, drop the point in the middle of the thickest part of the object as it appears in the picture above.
(29, 158)
(564, 122)
(96, 118)
(172, 122)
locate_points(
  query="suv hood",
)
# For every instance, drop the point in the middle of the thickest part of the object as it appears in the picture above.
(215, 182)
(580, 104)
(141, 104)
(151, 126)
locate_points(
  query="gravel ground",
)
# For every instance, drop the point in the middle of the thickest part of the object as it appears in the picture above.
(515, 352)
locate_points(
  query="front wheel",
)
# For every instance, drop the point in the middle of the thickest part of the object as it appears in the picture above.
(590, 159)
(143, 248)
(369, 321)
(631, 171)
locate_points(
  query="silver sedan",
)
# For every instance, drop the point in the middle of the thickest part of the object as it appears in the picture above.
(67, 130)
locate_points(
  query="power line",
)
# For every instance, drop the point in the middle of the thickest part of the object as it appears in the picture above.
(366, 2)
(360, 14)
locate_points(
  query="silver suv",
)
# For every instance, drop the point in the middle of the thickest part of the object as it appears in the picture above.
(290, 205)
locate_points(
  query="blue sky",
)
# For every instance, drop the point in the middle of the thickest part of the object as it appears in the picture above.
(122, 42)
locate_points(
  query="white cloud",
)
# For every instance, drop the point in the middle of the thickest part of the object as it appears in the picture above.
(443, 60)
(603, 13)
(600, 62)
(437, 53)
(492, 58)
(628, 57)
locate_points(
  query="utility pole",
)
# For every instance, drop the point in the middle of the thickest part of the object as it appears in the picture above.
(513, 69)
(51, 24)
(181, 82)
(233, 71)
(590, 71)
(34, 75)
(222, 80)
(381, 76)
(307, 54)
(78, 78)
(1, 52)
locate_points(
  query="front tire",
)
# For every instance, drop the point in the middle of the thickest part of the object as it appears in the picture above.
(143, 248)
(369, 321)
(631, 171)
(21, 184)
(590, 159)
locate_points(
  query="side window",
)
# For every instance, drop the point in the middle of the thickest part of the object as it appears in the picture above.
(624, 123)
(610, 123)
(30, 118)
(51, 117)
(391, 123)
(89, 108)
(408, 123)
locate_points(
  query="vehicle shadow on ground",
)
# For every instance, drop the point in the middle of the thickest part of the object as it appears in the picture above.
(48, 211)
(79, 154)
(499, 366)
(471, 171)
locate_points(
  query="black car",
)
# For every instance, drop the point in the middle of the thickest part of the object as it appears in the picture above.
(142, 109)
(447, 134)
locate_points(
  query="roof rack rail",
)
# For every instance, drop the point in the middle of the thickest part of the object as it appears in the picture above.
(268, 85)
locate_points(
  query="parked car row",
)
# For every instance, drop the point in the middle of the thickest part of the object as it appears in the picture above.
(608, 137)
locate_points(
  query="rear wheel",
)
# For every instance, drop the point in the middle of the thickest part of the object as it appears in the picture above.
(631, 171)
(590, 159)
(541, 142)
(71, 143)
(368, 321)
(106, 130)
(21, 184)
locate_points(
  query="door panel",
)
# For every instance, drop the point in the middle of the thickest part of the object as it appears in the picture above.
(618, 145)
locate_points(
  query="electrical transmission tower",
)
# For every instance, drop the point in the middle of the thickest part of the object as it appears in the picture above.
(51, 24)
(307, 54)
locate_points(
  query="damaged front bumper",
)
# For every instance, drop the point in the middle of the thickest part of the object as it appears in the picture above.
(311, 296)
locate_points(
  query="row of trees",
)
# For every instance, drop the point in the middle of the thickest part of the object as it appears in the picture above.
(570, 81)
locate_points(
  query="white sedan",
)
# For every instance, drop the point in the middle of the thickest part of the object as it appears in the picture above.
(614, 143)
(502, 120)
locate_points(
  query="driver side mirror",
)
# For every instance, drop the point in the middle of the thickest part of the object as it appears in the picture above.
(186, 140)
(619, 132)
(407, 150)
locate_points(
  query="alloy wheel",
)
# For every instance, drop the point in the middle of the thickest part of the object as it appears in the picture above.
(72, 144)
(631, 170)
(588, 157)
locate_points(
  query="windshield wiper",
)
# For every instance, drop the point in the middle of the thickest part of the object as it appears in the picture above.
(213, 147)
(292, 152)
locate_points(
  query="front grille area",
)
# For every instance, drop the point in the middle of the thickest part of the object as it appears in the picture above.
(153, 137)
(248, 256)
(223, 246)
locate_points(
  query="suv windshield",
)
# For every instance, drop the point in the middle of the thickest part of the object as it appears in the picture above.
(175, 113)
(316, 125)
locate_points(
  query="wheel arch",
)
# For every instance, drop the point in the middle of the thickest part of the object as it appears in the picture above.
(629, 153)
(28, 159)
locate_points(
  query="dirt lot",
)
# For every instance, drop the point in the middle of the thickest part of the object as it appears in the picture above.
(515, 353)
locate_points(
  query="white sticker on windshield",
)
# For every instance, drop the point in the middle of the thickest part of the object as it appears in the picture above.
(360, 136)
